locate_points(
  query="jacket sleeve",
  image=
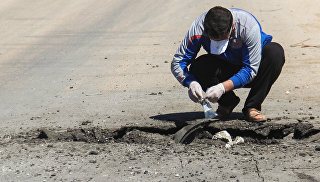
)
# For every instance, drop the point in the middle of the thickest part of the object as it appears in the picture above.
(186, 53)
(251, 57)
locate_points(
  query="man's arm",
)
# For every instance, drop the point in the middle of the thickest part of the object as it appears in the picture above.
(251, 58)
(251, 62)
(187, 52)
(228, 85)
(250, 65)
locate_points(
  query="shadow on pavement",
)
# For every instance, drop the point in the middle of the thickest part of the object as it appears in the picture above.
(181, 119)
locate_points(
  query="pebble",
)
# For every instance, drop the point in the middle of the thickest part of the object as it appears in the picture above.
(235, 153)
(93, 153)
(302, 154)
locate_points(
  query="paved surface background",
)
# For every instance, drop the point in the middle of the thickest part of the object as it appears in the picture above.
(107, 62)
(99, 58)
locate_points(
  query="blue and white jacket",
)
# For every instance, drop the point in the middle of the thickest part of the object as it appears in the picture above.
(244, 48)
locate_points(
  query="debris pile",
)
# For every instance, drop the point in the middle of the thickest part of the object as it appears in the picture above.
(224, 135)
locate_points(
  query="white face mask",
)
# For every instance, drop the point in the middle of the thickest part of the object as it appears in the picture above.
(218, 47)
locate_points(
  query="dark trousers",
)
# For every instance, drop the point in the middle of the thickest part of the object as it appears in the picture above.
(209, 71)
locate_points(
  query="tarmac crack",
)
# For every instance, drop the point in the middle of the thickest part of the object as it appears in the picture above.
(255, 133)
(266, 130)
(100, 135)
(162, 131)
(257, 170)
(181, 162)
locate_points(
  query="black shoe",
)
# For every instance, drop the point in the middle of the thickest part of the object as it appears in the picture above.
(225, 111)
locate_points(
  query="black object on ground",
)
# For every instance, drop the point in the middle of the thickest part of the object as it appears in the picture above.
(187, 134)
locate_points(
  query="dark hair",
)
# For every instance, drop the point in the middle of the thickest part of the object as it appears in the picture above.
(218, 22)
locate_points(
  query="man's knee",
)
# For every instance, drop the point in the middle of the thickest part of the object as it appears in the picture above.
(274, 53)
(201, 64)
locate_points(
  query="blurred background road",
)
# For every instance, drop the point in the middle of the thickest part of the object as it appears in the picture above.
(64, 62)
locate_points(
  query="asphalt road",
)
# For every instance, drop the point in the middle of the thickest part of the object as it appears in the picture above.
(107, 63)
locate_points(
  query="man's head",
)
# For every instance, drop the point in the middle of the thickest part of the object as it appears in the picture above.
(218, 23)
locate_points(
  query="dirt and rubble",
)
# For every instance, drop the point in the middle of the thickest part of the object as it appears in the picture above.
(271, 152)
(86, 94)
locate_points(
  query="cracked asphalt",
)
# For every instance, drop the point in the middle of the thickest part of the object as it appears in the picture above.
(86, 94)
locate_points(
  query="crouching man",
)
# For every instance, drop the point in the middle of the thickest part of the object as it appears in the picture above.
(239, 55)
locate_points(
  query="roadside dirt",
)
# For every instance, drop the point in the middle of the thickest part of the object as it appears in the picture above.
(271, 152)
(86, 94)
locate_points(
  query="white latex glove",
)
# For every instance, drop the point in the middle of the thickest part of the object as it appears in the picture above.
(195, 91)
(214, 93)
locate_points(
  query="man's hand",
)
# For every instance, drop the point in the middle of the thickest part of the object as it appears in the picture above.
(195, 91)
(214, 93)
